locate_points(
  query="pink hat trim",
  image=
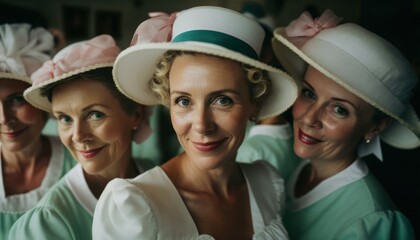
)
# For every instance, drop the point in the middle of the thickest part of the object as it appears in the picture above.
(99, 50)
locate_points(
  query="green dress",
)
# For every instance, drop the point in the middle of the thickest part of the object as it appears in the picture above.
(348, 205)
(66, 212)
(14, 206)
(271, 143)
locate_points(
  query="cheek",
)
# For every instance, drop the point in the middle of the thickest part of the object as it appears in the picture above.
(180, 121)
(298, 109)
(31, 115)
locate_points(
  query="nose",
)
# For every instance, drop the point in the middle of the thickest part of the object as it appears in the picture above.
(81, 133)
(312, 116)
(203, 121)
(6, 115)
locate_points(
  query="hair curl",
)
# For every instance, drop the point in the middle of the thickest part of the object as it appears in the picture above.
(258, 81)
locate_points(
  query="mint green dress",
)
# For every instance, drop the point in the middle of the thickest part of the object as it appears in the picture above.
(14, 206)
(66, 212)
(271, 143)
(348, 205)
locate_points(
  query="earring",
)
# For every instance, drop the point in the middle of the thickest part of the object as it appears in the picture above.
(367, 140)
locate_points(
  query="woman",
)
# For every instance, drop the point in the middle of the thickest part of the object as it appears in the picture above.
(30, 162)
(96, 123)
(355, 89)
(209, 78)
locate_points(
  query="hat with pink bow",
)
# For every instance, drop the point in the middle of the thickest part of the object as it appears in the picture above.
(210, 30)
(77, 58)
(360, 61)
(23, 49)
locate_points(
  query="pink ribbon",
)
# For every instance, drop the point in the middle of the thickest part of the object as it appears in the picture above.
(156, 29)
(99, 50)
(306, 26)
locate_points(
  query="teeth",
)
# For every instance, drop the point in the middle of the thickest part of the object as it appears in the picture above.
(309, 139)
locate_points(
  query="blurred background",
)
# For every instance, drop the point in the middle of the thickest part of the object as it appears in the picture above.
(398, 21)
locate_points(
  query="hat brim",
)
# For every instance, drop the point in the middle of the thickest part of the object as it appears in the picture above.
(15, 77)
(401, 134)
(33, 93)
(135, 66)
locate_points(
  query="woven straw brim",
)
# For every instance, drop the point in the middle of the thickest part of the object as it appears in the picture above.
(135, 66)
(33, 94)
(15, 77)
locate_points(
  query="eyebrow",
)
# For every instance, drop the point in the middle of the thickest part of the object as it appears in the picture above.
(213, 93)
(334, 98)
(87, 107)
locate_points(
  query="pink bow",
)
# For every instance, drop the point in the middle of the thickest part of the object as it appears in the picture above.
(156, 29)
(99, 50)
(306, 26)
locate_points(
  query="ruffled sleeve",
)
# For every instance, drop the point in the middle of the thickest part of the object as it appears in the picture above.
(123, 212)
(274, 231)
(381, 225)
(42, 223)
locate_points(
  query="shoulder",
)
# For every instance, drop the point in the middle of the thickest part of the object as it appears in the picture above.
(124, 210)
(44, 221)
(387, 224)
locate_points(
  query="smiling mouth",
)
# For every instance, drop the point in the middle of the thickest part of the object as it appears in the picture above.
(14, 134)
(208, 146)
(304, 138)
(91, 152)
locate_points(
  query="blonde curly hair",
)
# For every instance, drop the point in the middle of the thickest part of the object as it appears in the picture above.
(259, 83)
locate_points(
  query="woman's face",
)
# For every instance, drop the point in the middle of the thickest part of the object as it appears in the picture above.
(209, 107)
(329, 121)
(92, 125)
(20, 122)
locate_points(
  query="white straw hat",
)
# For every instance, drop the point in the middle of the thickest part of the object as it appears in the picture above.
(361, 62)
(23, 50)
(210, 30)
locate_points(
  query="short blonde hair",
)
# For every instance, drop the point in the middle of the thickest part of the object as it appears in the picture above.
(259, 83)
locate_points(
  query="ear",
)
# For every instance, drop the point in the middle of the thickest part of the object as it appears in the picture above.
(378, 127)
(255, 110)
(138, 114)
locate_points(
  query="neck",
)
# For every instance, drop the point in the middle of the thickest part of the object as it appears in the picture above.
(120, 169)
(317, 171)
(25, 158)
(217, 182)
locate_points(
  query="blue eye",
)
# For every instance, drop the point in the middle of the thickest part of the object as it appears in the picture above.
(341, 111)
(96, 115)
(224, 101)
(183, 102)
(307, 93)
(64, 119)
(17, 101)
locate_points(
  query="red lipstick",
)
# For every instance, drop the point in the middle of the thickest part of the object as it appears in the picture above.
(208, 146)
(304, 138)
(91, 152)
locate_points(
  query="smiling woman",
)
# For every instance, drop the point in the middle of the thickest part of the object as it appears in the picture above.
(96, 123)
(30, 163)
(209, 77)
(356, 90)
